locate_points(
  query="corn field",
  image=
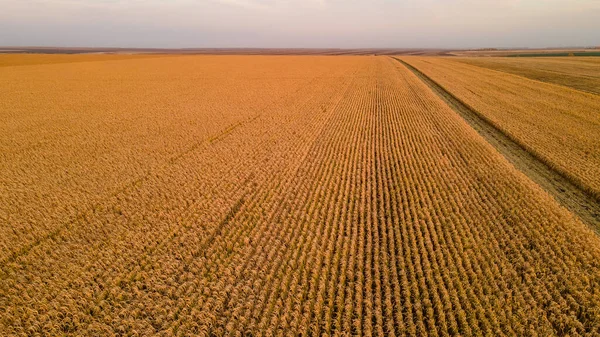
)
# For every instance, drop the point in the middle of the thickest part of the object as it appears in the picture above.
(271, 196)
(580, 73)
(556, 123)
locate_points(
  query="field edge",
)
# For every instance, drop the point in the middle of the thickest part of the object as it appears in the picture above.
(564, 189)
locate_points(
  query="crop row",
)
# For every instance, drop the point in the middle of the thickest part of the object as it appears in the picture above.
(74, 276)
(557, 124)
(72, 135)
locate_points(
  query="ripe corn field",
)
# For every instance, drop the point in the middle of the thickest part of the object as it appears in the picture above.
(279, 196)
(556, 123)
(581, 73)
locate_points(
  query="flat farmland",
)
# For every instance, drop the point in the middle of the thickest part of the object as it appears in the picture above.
(10, 60)
(581, 73)
(556, 123)
(280, 195)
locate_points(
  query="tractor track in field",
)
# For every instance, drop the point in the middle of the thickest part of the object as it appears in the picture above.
(560, 187)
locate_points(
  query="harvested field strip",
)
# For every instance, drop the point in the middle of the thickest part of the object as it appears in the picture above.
(561, 187)
(559, 125)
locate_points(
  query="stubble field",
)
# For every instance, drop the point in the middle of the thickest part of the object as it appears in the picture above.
(286, 195)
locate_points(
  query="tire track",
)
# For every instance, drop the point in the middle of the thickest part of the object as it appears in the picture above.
(561, 188)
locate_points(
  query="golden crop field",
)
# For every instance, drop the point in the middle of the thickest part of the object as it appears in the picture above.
(275, 195)
(9, 60)
(558, 124)
(581, 73)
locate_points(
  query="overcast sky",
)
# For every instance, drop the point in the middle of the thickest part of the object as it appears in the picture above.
(300, 23)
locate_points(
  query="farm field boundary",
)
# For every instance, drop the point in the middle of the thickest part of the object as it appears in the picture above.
(560, 187)
(565, 54)
(575, 73)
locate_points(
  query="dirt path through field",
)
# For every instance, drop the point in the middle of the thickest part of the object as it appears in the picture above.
(561, 188)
